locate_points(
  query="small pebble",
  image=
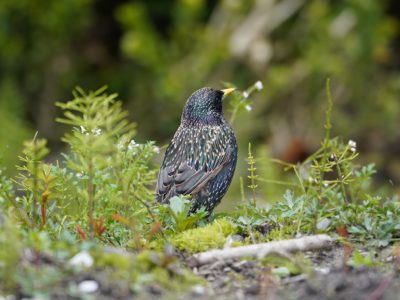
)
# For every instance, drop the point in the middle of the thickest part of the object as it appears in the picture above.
(88, 286)
(322, 270)
(210, 278)
(198, 289)
(82, 259)
(390, 258)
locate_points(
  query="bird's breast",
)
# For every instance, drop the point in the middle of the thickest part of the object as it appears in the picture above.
(205, 145)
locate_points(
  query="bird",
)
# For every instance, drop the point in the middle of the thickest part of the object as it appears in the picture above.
(201, 158)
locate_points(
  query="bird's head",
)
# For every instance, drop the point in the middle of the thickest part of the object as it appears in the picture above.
(204, 106)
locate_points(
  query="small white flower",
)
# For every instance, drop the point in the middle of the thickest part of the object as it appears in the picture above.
(258, 85)
(311, 180)
(245, 94)
(120, 146)
(83, 129)
(96, 131)
(79, 175)
(353, 145)
(88, 286)
(248, 107)
(132, 145)
(156, 149)
(82, 259)
(326, 184)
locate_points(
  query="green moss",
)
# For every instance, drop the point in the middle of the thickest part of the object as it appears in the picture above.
(280, 234)
(164, 270)
(148, 268)
(208, 237)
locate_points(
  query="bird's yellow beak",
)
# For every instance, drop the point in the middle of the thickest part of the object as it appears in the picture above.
(228, 91)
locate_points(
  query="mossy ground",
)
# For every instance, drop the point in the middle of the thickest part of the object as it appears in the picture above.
(211, 236)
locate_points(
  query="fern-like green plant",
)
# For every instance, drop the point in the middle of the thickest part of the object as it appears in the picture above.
(34, 177)
(104, 172)
(112, 170)
(252, 174)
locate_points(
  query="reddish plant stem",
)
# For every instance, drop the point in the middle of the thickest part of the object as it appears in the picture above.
(45, 196)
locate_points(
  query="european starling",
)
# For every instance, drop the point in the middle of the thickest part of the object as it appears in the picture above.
(201, 158)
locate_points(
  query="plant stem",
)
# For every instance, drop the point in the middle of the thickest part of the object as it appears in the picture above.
(246, 210)
(252, 176)
(90, 190)
(234, 112)
(242, 190)
(35, 186)
(328, 112)
(327, 126)
(341, 183)
(45, 197)
(302, 203)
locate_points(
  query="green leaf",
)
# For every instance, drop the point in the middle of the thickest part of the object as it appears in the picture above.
(178, 205)
(281, 271)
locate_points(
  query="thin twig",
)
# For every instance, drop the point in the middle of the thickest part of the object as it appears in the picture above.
(306, 243)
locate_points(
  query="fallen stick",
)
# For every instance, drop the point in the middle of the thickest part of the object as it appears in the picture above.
(305, 243)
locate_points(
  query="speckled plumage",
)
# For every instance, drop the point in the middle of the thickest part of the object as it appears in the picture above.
(201, 158)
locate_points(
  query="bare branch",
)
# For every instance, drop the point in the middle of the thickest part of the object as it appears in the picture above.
(306, 243)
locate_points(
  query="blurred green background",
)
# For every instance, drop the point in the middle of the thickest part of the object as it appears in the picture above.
(156, 53)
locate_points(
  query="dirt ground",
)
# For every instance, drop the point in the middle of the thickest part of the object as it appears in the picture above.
(328, 279)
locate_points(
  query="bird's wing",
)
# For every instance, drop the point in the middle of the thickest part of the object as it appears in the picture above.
(191, 160)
